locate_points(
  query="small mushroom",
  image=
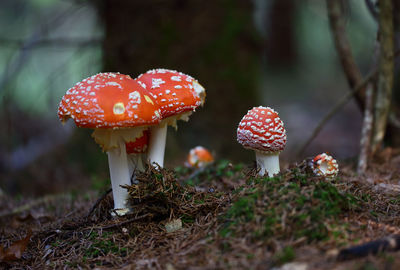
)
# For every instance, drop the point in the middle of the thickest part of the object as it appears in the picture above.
(325, 165)
(119, 110)
(262, 130)
(178, 95)
(199, 157)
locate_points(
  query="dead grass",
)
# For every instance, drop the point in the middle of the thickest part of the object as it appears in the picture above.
(231, 219)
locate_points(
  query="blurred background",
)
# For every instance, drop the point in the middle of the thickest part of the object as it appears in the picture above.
(276, 53)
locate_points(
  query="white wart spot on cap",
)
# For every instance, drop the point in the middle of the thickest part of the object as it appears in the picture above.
(142, 84)
(176, 78)
(118, 108)
(198, 88)
(156, 82)
(114, 84)
(134, 97)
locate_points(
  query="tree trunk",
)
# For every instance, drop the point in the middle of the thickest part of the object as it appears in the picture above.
(385, 77)
(281, 45)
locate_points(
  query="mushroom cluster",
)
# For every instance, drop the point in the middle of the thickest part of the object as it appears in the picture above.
(130, 116)
(130, 119)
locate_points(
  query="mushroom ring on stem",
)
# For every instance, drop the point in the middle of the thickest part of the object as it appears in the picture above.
(119, 110)
(178, 95)
(262, 130)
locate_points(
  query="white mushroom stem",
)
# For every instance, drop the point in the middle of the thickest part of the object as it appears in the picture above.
(139, 162)
(268, 163)
(158, 138)
(119, 173)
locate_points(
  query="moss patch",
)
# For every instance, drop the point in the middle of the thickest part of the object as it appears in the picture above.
(292, 205)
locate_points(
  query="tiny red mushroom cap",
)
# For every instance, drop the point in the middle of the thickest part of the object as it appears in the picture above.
(199, 157)
(325, 165)
(175, 92)
(109, 100)
(262, 130)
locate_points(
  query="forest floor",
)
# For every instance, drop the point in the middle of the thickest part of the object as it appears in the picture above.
(219, 217)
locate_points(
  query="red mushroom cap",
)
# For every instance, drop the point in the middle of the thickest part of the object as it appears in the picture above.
(325, 165)
(199, 157)
(140, 145)
(109, 100)
(173, 91)
(262, 130)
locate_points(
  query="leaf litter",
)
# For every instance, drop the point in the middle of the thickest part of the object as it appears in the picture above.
(230, 219)
(15, 250)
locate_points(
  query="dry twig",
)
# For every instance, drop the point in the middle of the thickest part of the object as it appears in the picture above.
(99, 200)
(391, 243)
(343, 101)
(353, 74)
(123, 222)
(342, 44)
(351, 70)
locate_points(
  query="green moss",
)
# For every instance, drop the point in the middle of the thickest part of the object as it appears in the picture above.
(286, 255)
(201, 201)
(181, 171)
(218, 170)
(186, 219)
(103, 245)
(289, 206)
(243, 208)
(250, 256)
(271, 220)
(72, 264)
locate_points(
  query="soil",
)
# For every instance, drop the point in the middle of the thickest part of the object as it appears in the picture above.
(222, 216)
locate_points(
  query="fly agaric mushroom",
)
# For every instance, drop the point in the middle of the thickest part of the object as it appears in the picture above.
(136, 151)
(325, 165)
(262, 130)
(119, 110)
(199, 157)
(178, 96)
